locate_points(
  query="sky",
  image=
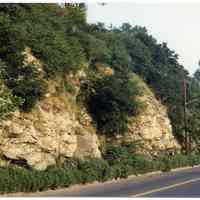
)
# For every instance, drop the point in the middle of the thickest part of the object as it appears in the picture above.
(175, 23)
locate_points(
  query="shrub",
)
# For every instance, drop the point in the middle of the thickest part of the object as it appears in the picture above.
(8, 102)
(167, 165)
(126, 162)
(119, 154)
(178, 160)
(28, 85)
(194, 158)
(94, 169)
(124, 153)
(111, 100)
(58, 54)
(120, 171)
(30, 91)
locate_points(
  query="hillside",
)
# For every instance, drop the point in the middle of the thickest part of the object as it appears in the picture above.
(74, 90)
(59, 128)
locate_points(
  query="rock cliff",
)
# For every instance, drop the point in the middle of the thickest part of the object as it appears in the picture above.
(152, 127)
(48, 133)
(58, 128)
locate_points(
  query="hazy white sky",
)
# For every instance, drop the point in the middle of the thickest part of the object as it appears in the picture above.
(175, 23)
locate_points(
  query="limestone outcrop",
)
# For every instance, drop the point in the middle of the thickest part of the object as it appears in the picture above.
(58, 128)
(48, 133)
(152, 126)
(54, 130)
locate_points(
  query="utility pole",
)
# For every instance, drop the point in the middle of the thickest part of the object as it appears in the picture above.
(185, 114)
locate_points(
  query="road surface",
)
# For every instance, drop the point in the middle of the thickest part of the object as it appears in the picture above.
(181, 183)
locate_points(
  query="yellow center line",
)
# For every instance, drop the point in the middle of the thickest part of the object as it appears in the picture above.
(165, 188)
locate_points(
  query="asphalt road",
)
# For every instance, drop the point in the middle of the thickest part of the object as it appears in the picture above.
(182, 183)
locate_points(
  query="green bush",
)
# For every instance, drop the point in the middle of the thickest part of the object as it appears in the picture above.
(178, 161)
(194, 159)
(8, 101)
(111, 100)
(94, 170)
(26, 83)
(167, 165)
(30, 91)
(119, 154)
(120, 171)
(127, 162)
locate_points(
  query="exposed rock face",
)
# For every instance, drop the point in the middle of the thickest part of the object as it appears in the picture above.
(57, 128)
(152, 127)
(50, 132)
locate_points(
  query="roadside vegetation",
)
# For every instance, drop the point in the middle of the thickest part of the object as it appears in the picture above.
(118, 163)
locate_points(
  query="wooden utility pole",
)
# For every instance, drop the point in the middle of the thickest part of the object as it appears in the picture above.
(185, 113)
